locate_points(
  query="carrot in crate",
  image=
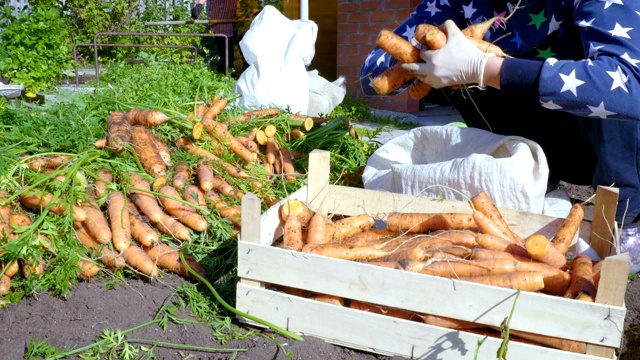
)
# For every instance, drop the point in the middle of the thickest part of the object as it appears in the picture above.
(521, 280)
(482, 203)
(384, 310)
(582, 286)
(569, 228)
(292, 237)
(493, 242)
(541, 249)
(297, 208)
(345, 252)
(402, 222)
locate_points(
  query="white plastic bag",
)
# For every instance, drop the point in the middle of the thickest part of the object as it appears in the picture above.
(278, 51)
(457, 163)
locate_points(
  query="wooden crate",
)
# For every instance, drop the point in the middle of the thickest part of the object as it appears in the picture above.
(599, 324)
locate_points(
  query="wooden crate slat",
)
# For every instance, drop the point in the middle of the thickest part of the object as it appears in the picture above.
(381, 334)
(537, 313)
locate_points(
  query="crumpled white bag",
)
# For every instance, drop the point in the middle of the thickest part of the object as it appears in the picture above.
(278, 51)
(324, 96)
(457, 163)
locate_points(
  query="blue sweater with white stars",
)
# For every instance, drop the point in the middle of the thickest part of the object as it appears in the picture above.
(577, 56)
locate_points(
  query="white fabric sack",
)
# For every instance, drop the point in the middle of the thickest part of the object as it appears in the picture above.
(278, 51)
(457, 163)
(324, 96)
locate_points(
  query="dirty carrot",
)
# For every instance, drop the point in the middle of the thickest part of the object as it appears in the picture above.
(182, 173)
(144, 145)
(553, 342)
(118, 131)
(329, 299)
(465, 238)
(370, 236)
(483, 203)
(391, 79)
(5, 284)
(521, 280)
(220, 132)
(383, 310)
(260, 114)
(351, 225)
(163, 150)
(138, 259)
(147, 117)
(297, 208)
(402, 222)
(271, 150)
(430, 36)
(216, 202)
(218, 103)
(141, 231)
(493, 242)
(40, 163)
(569, 228)
(249, 144)
(582, 286)
(145, 201)
(478, 30)
(119, 220)
(88, 269)
(168, 258)
(320, 229)
(194, 195)
(104, 254)
(288, 170)
(396, 46)
(419, 89)
(488, 226)
(204, 173)
(541, 249)
(97, 224)
(38, 200)
(450, 323)
(102, 182)
(292, 234)
(183, 212)
(345, 252)
(172, 227)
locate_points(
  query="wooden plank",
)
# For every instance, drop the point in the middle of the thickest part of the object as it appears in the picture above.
(251, 215)
(381, 334)
(537, 313)
(604, 216)
(611, 291)
(318, 181)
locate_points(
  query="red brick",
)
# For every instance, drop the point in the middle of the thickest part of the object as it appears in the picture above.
(359, 38)
(344, 6)
(371, 5)
(358, 17)
(383, 15)
(356, 60)
(348, 28)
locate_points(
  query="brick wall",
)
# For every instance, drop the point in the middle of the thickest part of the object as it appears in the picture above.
(359, 23)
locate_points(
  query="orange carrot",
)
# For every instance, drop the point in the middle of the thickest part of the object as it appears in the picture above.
(184, 213)
(118, 131)
(105, 255)
(481, 202)
(489, 241)
(487, 47)
(456, 237)
(292, 234)
(163, 150)
(523, 280)
(97, 224)
(249, 144)
(100, 143)
(430, 36)
(231, 169)
(204, 173)
(270, 130)
(168, 258)
(119, 220)
(582, 286)
(141, 231)
(346, 252)
(488, 226)
(218, 103)
(139, 260)
(145, 202)
(396, 46)
(425, 222)
(541, 249)
(219, 132)
(419, 89)
(222, 186)
(102, 182)
(48, 162)
(37, 200)
(5, 284)
(144, 144)
(88, 269)
(450, 323)
(553, 342)
(260, 114)
(329, 299)
(320, 229)
(371, 236)
(181, 176)
(194, 195)
(216, 202)
(351, 225)
(391, 79)
(296, 208)
(569, 228)
(288, 170)
(147, 117)
(478, 30)
(271, 150)
(172, 227)
(11, 269)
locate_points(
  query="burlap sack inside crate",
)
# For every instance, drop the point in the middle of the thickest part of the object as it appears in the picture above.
(457, 163)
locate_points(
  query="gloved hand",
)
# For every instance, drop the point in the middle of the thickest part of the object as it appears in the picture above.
(458, 62)
(196, 10)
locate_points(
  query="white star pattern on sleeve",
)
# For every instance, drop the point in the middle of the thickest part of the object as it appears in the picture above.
(409, 32)
(468, 10)
(608, 3)
(593, 50)
(366, 61)
(380, 60)
(571, 83)
(599, 111)
(619, 79)
(585, 23)
(620, 31)
(631, 61)
(551, 105)
(432, 8)
(554, 24)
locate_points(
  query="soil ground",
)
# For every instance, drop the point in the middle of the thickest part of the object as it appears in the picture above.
(80, 319)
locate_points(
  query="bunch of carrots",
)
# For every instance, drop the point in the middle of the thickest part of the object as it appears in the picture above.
(430, 37)
(477, 247)
(139, 218)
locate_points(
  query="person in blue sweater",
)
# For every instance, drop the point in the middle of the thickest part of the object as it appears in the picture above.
(570, 82)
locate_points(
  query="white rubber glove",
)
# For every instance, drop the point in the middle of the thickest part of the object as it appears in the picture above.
(458, 62)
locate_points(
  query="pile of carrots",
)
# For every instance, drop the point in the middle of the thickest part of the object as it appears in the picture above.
(123, 219)
(477, 246)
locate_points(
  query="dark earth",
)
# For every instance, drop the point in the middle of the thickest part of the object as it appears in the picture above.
(80, 319)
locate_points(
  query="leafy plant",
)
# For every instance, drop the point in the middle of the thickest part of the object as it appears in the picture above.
(35, 47)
